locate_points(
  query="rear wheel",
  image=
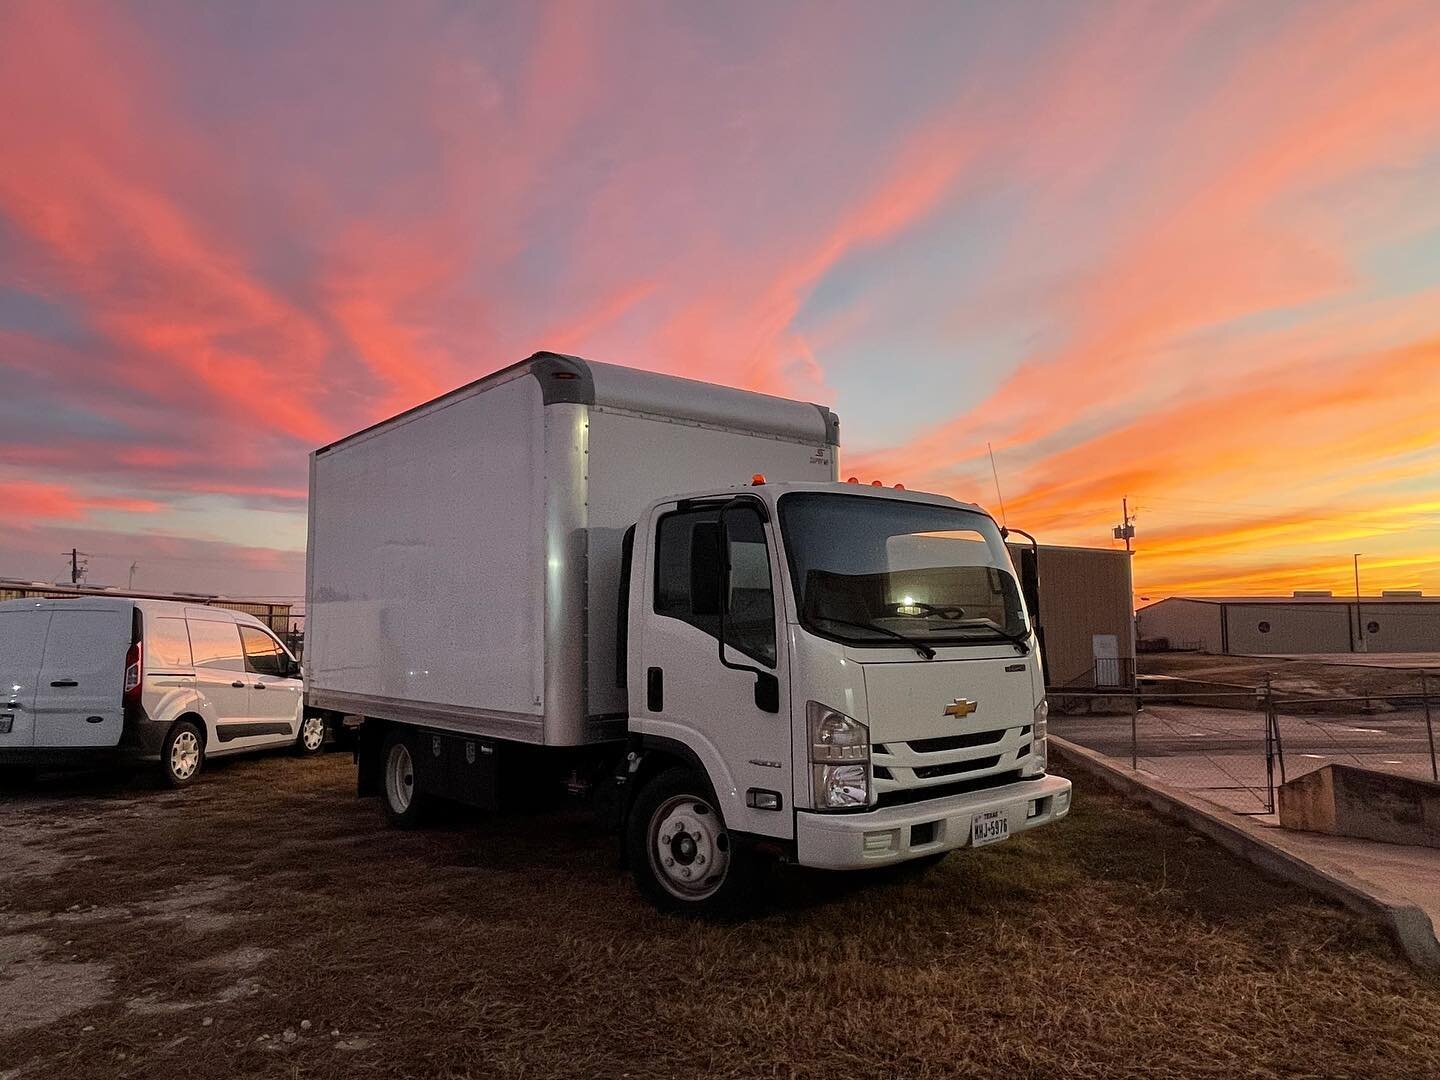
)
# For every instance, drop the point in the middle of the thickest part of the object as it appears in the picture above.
(680, 852)
(311, 737)
(183, 754)
(404, 803)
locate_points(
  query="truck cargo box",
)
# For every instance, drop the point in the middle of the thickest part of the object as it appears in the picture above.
(464, 557)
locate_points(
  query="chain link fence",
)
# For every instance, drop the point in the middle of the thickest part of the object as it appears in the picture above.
(1235, 744)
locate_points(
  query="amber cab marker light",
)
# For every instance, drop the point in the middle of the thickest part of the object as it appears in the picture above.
(876, 483)
(853, 480)
(757, 479)
(899, 487)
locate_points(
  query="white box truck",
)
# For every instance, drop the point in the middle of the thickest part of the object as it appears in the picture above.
(655, 590)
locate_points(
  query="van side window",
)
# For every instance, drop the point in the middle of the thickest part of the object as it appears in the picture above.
(750, 621)
(263, 654)
(216, 645)
(167, 644)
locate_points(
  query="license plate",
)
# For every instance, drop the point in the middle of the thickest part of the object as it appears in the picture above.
(7, 720)
(989, 828)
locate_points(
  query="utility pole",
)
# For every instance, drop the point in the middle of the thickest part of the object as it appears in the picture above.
(77, 568)
(1126, 529)
(1359, 622)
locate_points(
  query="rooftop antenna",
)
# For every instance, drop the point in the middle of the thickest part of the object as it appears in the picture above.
(996, 473)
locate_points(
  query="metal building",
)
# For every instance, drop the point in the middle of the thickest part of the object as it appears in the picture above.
(276, 615)
(1083, 600)
(1307, 622)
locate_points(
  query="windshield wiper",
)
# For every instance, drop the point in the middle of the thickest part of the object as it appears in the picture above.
(987, 624)
(919, 646)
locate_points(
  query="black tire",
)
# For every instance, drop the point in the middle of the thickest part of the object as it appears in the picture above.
(182, 754)
(404, 803)
(310, 739)
(677, 802)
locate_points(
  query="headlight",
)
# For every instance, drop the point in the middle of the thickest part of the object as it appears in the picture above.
(839, 758)
(840, 785)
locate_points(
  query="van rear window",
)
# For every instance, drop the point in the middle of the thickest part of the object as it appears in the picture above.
(167, 645)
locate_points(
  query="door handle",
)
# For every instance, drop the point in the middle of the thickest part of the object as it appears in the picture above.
(64, 682)
(655, 690)
(259, 686)
(238, 685)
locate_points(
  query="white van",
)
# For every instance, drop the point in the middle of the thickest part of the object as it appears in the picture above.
(91, 678)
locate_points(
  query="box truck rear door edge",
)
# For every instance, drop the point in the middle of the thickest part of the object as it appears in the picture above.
(22, 648)
(78, 701)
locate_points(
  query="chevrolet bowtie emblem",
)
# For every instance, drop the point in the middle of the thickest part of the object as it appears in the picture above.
(960, 707)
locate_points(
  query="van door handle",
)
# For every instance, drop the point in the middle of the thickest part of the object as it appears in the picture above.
(238, 685)
(259, 686)
(64, 682)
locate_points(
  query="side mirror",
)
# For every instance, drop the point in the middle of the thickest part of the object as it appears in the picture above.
(707, 568)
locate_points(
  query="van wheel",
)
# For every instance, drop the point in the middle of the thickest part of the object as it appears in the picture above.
(682, 857)
(311, 737)
(404, 802)
(182, 754)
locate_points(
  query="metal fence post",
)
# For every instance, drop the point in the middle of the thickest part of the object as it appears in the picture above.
(1429, 727)
(1134, 727)
(1272, 731)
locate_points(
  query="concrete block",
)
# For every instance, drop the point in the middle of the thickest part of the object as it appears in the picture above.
(1346, 800)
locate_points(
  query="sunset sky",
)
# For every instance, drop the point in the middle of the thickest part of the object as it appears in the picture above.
(1187, 253)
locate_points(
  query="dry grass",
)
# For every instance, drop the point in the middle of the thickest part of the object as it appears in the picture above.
(1112, 945)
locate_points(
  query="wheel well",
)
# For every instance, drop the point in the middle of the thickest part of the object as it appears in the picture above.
(196, 719)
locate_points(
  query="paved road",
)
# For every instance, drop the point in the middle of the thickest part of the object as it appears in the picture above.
(1220, 753)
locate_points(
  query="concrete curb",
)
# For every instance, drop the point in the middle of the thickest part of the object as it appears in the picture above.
(1406, 923)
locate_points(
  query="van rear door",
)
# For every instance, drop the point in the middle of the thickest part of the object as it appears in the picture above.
(22, 647)
(82, 678)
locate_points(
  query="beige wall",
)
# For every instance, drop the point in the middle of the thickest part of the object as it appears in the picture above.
(1294, 628)
(1403, 627)
(1184, 623)
(1083, 592)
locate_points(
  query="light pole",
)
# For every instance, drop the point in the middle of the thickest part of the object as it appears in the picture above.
(1359, 622)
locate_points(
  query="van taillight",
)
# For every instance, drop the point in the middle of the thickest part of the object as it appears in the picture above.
(134, 673)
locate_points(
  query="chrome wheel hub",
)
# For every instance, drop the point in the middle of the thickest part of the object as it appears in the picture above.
(399, 778)
(312, 732)
(689, 849)
(184, 755)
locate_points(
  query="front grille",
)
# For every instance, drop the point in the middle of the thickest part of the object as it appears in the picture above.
(955, 742)
(939, 791)
(929, 772)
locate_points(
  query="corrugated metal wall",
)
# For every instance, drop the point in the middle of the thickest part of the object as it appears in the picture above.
(1083, 593)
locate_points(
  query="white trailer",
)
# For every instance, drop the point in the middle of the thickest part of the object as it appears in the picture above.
(656, 590)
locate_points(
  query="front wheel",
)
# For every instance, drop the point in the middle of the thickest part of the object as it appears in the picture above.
(182, 754)
(682, 857)
(311, 737)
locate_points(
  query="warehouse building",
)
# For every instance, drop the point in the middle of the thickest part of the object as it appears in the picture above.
(1083, 602)
(1307, 622)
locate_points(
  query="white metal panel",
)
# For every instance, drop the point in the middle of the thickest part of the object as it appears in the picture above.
(633, 461)
(82, 676)
(669, 396)
(22, 647)
(427, 568)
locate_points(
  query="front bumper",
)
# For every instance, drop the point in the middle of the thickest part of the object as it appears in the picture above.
(878, 837)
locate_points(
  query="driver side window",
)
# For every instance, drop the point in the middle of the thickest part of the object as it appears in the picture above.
(686, 550)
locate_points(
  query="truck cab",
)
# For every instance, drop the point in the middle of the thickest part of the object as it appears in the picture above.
(842, 674)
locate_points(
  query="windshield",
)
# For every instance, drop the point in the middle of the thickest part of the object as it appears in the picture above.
(876, 570)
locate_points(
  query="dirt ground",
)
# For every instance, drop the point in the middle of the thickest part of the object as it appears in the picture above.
(266, 922)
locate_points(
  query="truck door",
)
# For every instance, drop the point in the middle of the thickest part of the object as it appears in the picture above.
(686, 693)
(22, 648)
(79, 700)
